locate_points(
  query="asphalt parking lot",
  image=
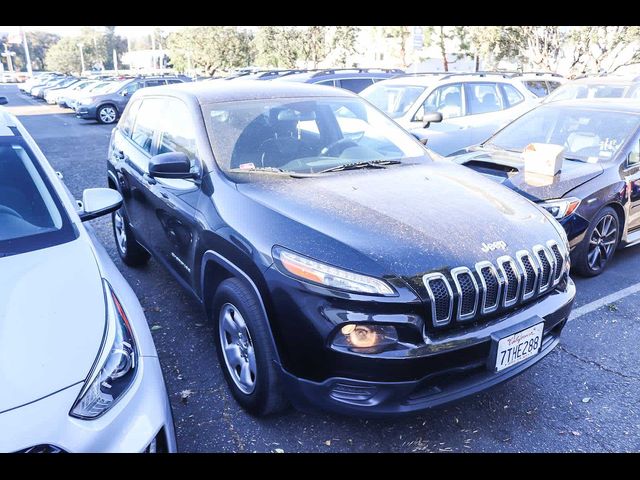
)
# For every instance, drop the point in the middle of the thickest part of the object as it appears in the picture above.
(584, 397)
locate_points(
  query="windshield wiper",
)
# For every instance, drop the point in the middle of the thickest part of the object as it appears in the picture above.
(573, 159)
(357, 165)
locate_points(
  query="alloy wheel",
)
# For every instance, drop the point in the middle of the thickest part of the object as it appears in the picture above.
(237, 348)
(121, 234)
(602, 242)
(107, 114)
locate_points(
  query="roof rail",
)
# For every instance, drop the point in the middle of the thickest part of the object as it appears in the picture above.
(328, 71)
(539, 74)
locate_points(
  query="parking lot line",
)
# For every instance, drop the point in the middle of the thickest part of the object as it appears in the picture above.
(591, 306)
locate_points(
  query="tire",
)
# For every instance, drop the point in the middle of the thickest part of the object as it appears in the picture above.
(259, 391)
(603, 235)
(131, 252)
(107, 114)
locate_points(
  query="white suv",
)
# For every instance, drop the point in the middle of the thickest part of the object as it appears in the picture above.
(473, 105)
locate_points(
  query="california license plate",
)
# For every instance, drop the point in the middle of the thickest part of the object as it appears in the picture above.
(518, 347)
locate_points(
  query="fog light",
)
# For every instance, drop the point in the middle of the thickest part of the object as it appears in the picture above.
(365, 337)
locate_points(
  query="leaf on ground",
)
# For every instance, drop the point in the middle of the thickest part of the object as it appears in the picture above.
(199, 324)
(575, 433)
(279, 450)
(612, 307)
(328, 443)
(586, 399)
(185, 394)
(155, 327)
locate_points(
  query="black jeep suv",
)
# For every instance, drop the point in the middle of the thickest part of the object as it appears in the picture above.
(343, 267)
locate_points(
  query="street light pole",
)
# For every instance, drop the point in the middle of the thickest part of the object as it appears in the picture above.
(27, 57)
(81, 58)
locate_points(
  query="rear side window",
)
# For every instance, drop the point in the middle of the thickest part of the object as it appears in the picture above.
(514, 97)
(154, 83)
(174, 80)
(537, 87)
(132, 87)
(482, 98)
(147, 122)
(553, 85)
(356, 85)
(126, 124)
(328, 83)
(176, 131)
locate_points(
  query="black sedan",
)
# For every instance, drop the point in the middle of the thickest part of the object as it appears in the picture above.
(596, 194)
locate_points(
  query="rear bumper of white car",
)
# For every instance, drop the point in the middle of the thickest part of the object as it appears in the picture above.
(141, 420)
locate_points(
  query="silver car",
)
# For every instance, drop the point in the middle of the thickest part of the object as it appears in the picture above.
(472, 106)
(78, 368)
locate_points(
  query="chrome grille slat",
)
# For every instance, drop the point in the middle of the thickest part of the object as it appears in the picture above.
(462, 294)
(433, 282)
(464, 280)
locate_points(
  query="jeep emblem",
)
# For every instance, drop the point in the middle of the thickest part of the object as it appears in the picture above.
(490, 247)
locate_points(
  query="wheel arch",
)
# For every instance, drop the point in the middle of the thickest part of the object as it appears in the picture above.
(214, 270)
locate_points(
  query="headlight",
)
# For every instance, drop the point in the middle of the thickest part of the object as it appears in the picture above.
(312, 271)
(86, 101)
(115, 367)
(561, 208)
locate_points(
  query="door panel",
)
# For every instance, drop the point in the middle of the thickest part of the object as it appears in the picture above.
(632, 177)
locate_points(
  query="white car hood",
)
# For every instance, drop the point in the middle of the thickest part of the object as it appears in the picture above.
(52, 319)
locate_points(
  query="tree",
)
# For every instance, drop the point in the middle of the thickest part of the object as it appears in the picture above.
(279, 47)
(599, 49)
(210, 48)
(399, 35)
(64, 56)
(345, 39)
(313, 44)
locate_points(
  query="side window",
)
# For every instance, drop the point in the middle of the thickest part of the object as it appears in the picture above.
(537, 87)
(146, 123)
(634, 155)
(173, 80)
(356, 85)
(176, 132)
(126, 123)
(132, 87)
(514, 97)
(446, 99)
(328, 83)
(483, 98)
(153, 83)
(552, 85)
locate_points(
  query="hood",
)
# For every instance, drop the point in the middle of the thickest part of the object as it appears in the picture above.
(404, 220)
(508, 169)
(52, 318)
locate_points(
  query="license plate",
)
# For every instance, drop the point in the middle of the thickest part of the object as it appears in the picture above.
(519, 346)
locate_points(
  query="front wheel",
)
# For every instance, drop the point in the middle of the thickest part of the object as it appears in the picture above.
(245, 350)
(599, 244)
(107, 114)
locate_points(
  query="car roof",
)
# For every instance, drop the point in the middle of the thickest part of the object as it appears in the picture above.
(338, 74)
(629, 105)
(620, 80)
(451, 77)
(217, 91)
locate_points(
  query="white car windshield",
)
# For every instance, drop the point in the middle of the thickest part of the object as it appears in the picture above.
(393, 99)
(306, 135)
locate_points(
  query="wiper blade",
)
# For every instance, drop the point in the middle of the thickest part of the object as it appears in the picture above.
(357, 165)
(573, 159)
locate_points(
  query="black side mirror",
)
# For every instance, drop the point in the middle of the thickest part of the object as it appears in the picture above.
(429, 117)
(170, 165)
(4, 100)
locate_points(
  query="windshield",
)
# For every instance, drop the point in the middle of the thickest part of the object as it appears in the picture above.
(31, 216)
(588, 135)
(101, 87)
(569, 91)
(393, 99)
(306, 135)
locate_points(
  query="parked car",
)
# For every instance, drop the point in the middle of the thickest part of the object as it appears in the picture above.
(37, 79)
(39, 91)
(540, 84)
(596, 195)
(597, 87)
(473, 106)
(336, 259)
(353, 79)
(78, 367)
(107, 106)
(52, 95)
(95, 88)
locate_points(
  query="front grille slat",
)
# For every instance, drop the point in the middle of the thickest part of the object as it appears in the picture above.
(463, 294)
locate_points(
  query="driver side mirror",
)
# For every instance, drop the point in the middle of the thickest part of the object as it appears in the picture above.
(124, 93)
(429, 117)
(633, 158)
(4, 100)
(97, 202)
(170, 165)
